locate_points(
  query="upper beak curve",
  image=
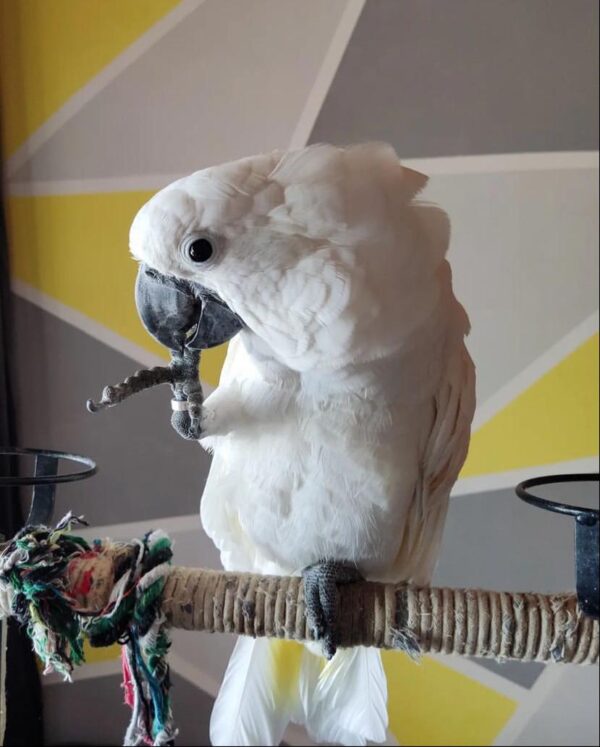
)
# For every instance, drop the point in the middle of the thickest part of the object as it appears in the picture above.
(180, 314)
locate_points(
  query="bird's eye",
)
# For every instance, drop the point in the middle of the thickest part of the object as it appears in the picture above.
(199, 250)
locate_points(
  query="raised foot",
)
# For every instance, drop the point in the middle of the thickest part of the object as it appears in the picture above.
(322, 600)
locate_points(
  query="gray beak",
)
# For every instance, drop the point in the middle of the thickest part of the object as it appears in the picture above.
(181, 314)
(186, 318)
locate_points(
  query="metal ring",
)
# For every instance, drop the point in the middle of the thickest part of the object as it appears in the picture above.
(8, 481)
(180, 405)
(579, 512)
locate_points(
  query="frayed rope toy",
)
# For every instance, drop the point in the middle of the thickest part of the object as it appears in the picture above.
(46, 576)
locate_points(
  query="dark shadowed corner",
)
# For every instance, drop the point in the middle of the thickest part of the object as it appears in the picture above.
(24, 723)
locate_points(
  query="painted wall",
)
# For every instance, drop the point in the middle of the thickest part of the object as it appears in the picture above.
(105, 101)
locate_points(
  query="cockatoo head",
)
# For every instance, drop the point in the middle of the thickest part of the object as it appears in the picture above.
(317, 255)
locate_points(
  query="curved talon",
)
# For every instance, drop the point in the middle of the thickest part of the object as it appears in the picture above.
(321, 599)
(103, 404)
(92, 406)
(109, 395)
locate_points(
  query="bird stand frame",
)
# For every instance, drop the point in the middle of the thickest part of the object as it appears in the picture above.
(587, 528)
(65, 589)
(503, 625)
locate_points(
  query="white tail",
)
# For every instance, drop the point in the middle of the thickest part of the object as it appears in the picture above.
(343, 701)
(247, 710)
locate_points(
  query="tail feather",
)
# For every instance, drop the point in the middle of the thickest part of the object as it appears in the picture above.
(248, 709)
(270, 683)
(311, 667)
(349, 703)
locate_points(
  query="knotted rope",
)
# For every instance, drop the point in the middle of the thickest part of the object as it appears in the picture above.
(46, 576)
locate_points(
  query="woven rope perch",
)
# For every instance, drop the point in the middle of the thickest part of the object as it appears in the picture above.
(498, 625)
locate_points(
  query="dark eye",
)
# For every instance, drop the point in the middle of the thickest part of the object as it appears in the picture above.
(199, 250)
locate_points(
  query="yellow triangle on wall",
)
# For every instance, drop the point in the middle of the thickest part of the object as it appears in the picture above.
(432, 704)
(49, 49)
(74, 248)
(554, 420)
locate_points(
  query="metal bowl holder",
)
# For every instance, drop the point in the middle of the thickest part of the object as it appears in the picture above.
(586, 535)
(45, 479)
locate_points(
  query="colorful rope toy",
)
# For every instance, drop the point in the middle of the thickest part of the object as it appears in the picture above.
(44, 576)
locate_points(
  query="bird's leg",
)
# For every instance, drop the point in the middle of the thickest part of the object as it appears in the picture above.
(321, 599)
(187, 390)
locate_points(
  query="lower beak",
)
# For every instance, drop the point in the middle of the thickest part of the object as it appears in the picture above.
(181, 314)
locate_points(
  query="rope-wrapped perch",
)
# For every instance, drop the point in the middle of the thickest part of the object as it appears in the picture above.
(64, 589)
(470, 622)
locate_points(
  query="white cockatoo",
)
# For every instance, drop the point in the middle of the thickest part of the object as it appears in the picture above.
(343, 413)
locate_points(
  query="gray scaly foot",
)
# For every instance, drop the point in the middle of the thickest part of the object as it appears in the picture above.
(321, 598)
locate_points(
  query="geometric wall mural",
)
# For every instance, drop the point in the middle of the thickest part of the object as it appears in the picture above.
(104, 102)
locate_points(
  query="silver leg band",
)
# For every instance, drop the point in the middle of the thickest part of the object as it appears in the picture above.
(180, 405)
